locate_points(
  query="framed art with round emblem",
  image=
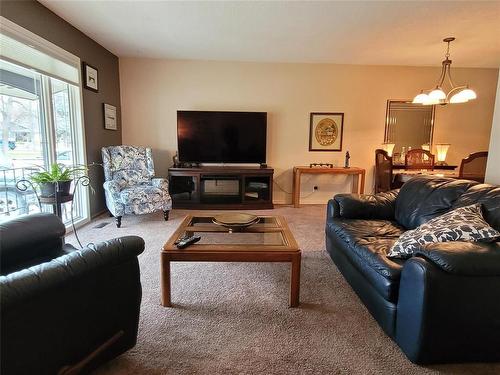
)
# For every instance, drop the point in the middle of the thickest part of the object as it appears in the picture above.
(325, 132)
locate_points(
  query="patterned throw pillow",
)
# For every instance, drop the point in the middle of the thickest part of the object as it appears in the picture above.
(461, 224)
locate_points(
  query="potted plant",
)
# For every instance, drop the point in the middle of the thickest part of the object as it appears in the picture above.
(56, 178)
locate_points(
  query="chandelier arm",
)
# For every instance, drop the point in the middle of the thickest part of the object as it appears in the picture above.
(442, 75)
(450, 80)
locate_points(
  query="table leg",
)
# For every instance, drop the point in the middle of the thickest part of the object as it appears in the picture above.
(165, 281)
(296, 189)
(57, 210)
(295, 280)
(355, 183)
(362, 183)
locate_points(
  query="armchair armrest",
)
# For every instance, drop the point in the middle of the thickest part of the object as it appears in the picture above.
(56, 313)
(112, 187)
(354, 206)
(114, 202)
(30, 237)
(464, 258)
(160, 182)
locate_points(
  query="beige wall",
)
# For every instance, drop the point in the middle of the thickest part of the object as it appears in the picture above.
(153, 90)
(493, 166)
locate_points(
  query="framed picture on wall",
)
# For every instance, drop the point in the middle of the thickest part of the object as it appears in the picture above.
(90, 77)
(325, 131)
(110, 117)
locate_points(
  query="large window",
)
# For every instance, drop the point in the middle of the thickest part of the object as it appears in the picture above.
(40, 124)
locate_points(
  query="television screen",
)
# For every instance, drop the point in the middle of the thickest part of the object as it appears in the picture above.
(221, 137)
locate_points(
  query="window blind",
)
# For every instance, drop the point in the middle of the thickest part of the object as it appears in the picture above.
(27, 51)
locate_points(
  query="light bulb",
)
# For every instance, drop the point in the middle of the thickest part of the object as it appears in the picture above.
(389, 148)
(437, 94)
(430, 101)
(420, 98)
(468, 94)
(459, 97)
(442, 150)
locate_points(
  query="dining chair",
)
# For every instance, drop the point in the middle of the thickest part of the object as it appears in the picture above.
(419, 159)
(383, 171)
(473, 167)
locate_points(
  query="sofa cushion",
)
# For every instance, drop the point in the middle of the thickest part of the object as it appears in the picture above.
(426, 197)
(378, 206)
(488, 196)
(461, 224)
(366, 245)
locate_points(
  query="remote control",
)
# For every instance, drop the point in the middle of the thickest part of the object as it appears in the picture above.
(181, 238)
(188, 241)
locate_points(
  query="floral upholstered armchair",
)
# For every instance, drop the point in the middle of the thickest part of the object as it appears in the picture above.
(130, 185)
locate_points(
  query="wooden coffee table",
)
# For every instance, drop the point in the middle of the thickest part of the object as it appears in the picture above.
(270, 240)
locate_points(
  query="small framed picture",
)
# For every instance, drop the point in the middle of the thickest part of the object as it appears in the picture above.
(90, 78)
(110, 117)
(325, 131)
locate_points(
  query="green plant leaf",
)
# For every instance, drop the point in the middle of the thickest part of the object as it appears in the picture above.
(58, 172)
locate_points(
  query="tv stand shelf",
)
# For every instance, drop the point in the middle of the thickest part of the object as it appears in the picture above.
(218, 187)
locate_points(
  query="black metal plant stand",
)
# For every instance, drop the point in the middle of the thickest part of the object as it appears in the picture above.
(57, 200)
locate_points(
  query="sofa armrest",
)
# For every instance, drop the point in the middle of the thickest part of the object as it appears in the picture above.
(30, 237)
(464, 258)
(160, 182)
(64, 270)
(332, 209)
(445, 317)
(353, 206)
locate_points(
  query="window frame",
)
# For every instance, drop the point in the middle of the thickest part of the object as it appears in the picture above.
(77, 119)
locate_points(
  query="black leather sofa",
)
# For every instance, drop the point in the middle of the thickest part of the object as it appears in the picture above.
(443, 304)
(64, 310)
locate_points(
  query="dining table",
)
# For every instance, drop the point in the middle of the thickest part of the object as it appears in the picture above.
(404, 175)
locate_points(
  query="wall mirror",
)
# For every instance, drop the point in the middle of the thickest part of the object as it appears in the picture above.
(408, 125)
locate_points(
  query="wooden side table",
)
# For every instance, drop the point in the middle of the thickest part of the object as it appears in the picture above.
(358, 178)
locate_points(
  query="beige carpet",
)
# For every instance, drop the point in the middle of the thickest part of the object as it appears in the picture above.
(233, 318)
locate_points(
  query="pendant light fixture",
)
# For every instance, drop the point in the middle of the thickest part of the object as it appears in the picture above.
(437, 95)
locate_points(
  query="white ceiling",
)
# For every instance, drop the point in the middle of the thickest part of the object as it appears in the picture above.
(350, 32)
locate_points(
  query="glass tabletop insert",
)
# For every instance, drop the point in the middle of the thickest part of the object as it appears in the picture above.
(267, 231)
(264, 221)
(240, 238)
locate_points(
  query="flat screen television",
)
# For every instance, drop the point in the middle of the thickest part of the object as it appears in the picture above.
(221, 137)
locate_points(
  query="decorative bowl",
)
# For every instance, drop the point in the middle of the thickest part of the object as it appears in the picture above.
(235, 221)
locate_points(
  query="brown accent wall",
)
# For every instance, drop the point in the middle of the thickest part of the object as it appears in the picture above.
(35, 17)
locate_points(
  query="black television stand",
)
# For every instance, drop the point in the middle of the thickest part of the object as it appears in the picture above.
(221, 187)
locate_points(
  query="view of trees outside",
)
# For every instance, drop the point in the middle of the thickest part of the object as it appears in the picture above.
(21, 133)
(21, 146)
(62, 122)
(24, 132)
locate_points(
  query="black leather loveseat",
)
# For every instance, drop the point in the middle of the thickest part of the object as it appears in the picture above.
(443, 304)
(62, 307)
